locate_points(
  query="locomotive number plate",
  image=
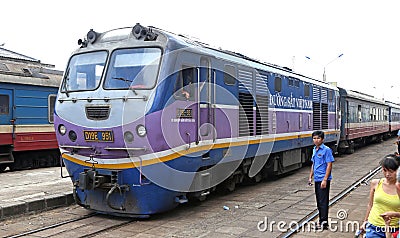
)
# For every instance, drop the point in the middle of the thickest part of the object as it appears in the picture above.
(99, 136)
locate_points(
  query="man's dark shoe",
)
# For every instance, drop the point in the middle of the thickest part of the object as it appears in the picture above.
(323, 226)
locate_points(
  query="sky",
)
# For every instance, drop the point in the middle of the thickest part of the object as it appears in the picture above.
(282, 32)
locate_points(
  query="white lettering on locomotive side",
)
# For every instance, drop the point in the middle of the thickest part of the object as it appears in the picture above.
(289, 101)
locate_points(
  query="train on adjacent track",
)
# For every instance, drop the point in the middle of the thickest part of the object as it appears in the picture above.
(28, 91)
(147, 119)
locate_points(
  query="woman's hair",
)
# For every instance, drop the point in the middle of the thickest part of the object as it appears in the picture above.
(390, 161)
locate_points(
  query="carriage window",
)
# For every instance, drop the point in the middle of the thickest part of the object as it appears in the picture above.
(133, 68)
(51, 104)
(229, 75)
(373, 114)
(4, 102)
(306, 90)
(184, 85)
(278, 84)
(385, 116)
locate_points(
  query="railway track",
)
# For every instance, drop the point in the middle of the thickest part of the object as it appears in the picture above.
(62, 229)
(50, 226)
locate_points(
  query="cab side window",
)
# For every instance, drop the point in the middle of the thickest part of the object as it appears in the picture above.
(184, 85)
(278, 84)
(229, 75)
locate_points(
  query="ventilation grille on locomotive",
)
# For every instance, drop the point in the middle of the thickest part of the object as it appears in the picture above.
(324, 96)
(262, 115)
(316, 94)
(262, 102)
(97, 113)
(246, 118)
(324, 116)
(246, 127)
(245, 81)
(262, 84)
(316, 116)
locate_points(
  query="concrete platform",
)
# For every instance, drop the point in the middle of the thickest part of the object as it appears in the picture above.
(35, 190)
(346, 216)
(287, 199)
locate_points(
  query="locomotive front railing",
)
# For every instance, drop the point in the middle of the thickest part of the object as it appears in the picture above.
(75, 147)
(126, 148)
(61, 100)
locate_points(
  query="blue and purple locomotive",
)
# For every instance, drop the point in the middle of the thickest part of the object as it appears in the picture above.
(147, 119)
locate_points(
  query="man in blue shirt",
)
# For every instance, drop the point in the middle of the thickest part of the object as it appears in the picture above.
(321, 168)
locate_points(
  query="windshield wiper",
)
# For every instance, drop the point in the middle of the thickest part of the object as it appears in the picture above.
(66, 78)
(128, 83)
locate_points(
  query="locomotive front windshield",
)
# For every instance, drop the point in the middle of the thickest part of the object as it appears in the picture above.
(133, 68)
(84, 71)
(129, 69)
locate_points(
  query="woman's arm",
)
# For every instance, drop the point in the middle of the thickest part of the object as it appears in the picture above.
(390, 214)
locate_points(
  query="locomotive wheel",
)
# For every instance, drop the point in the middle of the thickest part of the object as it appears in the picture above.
(201, 198)
(196, 197)
(257, 178)
(253, 180)
(229, 185)
(12, 167)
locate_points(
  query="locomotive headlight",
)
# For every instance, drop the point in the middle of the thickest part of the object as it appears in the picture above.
(62, 129)
(72, 136)
(141, 130)
(128, 136)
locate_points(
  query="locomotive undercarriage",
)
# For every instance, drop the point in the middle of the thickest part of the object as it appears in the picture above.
(6, 157)
(110, 184)
(276, 164)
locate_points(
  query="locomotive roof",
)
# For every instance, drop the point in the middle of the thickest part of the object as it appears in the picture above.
(181, 41)
(240, 58)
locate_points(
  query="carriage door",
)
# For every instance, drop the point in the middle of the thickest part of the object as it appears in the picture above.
(206, 88)
(6, 116)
